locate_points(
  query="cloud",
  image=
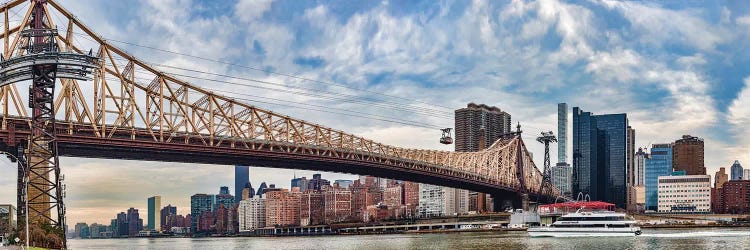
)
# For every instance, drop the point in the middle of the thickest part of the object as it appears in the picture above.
(739, 118)
(659, 26)
(251, 10)
(656, 63)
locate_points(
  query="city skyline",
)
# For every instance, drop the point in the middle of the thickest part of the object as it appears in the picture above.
(707, 103)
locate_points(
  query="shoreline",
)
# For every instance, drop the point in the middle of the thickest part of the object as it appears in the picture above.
(434, 231)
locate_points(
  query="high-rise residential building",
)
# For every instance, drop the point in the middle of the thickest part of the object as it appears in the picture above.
(684, 194)
(477, 128)
(206, 222)
(562, 132)
(338, 204)
(241, 179)
(479, 120)
(122, 224)
(199, 204)
(746, 174)
(442, 201)
(720, 177)
(600, 156)
(393, 196)
(456, 201)
(689, 155)
(154, 206)
(639, 174)
(312, 208)
(659, 164)
(282, 208)
(736, 171)
(561, 176)
(222, 218)
(223, 198)
(252, 214)
(734, 197)
(233, 223)
(164, 214)
(135, 223)
(431, 201)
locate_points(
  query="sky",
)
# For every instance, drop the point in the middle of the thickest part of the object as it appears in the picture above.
(675, 67)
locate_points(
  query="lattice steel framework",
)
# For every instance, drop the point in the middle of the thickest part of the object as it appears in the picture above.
(546, 138)
(130, 101)
(40, 61)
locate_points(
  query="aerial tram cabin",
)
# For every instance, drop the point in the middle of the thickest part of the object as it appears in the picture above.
(446, 138)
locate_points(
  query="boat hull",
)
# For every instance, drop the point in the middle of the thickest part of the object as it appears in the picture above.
(578, 232)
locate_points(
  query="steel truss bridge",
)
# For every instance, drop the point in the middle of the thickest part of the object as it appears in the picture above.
(115, 114)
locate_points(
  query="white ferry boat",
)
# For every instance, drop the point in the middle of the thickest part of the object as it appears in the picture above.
(589, 224)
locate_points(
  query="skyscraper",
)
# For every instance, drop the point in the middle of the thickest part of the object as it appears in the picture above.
(241, 179)
(562, 132)
(688, 155)
(479, 119)
(317, 182)
(600, 145)
(300, 182)
(659, 164)
(736, 171)
(154, 205)
(164, 214)
(223, 198)
(639, 173)
(122, 224)
(135, 223)
(630, 155)
(199, 203)
(477, 128)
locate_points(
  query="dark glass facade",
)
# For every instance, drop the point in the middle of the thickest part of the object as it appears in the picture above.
(600, 149)
(241, 179)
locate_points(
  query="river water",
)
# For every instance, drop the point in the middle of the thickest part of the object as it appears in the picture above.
(691, 239)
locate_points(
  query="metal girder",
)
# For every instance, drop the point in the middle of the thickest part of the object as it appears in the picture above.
(128, 99)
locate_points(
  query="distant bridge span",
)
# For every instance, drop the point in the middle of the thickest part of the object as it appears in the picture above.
(131, 110)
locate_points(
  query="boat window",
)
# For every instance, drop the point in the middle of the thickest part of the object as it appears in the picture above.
(605, 218)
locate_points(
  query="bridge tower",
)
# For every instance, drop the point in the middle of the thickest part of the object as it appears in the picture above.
(42, 62)
(546, 138)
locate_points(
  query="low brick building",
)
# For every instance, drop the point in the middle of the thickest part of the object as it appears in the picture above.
(733, 197)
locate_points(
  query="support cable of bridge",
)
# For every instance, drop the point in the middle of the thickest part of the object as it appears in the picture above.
(325, 95)
(445, 110)
(274, 72)
(325, 109)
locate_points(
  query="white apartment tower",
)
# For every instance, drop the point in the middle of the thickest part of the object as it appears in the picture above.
(252, 213)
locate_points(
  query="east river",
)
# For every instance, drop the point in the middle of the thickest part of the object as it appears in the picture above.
(691, 239)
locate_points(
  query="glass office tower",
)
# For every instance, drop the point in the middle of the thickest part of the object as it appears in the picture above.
(659, 164)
